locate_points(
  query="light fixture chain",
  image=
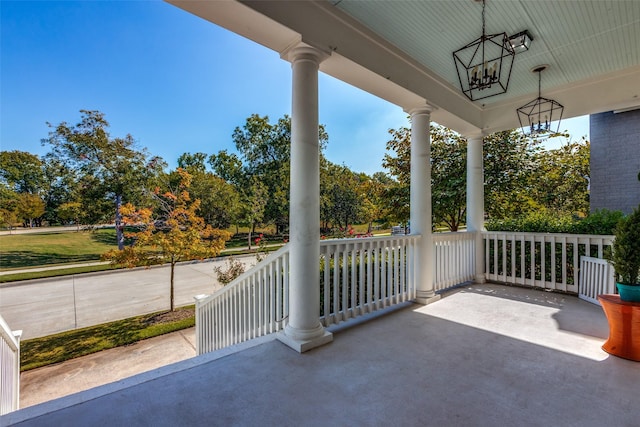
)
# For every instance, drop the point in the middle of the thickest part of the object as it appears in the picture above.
(483, 27)
(540, 84)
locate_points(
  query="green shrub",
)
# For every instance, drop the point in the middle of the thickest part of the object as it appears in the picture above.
(601, 222)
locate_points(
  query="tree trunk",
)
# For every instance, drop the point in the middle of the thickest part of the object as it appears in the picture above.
(119, 228)
(369, 227)
(249, 238)
(173, 266)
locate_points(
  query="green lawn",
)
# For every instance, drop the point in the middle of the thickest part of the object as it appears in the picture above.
(57, 348)
(30, 250)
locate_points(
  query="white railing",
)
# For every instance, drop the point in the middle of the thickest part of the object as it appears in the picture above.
(596, 278)
(9, 368)
(254, 304)
(454, 259)
(549, 261)
(359, 276)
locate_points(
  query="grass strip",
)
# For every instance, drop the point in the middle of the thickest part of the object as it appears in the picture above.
(28, 275)
(57, 348)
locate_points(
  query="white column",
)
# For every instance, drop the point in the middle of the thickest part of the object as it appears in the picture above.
(475, 200)
(304, 330)
(421, 222)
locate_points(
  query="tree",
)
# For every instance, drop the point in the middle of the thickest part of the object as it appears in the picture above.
(265, 151)
(510, 162)
(62, 186)
(340, 203)
(252, 191)
(372, 192)
(175, 235)
(562, 178)
(22, 172)
(29, 207)
(112, 168)
(448, 175)
(71, 211)
(219, 200)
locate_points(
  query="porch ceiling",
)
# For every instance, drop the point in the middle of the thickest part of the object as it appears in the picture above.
(402, 51)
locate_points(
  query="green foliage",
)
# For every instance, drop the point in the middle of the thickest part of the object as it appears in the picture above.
(562, 178)
(175, 235)
(510, 163)
(29, 207)
(108, 169)
(625, 254)
(448, 176)
(265, 151)
(601, 222)
(22, 172)
(340, 201)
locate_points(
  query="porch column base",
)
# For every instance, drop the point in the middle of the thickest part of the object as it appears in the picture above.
(480, 279)
(302, 341)
(426, 298)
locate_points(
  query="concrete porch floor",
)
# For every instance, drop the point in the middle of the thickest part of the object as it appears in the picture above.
(485, 355)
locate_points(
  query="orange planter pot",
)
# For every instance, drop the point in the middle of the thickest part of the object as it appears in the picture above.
(624, 327)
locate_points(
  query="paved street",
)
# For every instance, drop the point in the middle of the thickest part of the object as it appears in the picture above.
(47, 306)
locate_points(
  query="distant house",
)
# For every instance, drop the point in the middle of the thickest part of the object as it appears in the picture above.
(615, 160)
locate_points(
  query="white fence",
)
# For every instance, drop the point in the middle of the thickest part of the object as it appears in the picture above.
(454, 259)
(596, 277)
(547, 261)
(9, 368)
(253, 305)
(359, 276)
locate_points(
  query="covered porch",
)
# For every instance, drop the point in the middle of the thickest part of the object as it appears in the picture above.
(481, 355)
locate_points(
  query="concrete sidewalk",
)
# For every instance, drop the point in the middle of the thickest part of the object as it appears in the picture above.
(83, 373)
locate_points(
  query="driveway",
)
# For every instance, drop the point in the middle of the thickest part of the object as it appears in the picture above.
(47, 306)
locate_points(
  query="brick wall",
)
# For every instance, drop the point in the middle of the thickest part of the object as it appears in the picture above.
(615, 160)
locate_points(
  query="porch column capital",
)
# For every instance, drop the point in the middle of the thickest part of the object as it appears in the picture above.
(475, 135)
(420, 110)
(304, 52)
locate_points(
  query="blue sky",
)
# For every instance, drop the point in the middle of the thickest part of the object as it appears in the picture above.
(173, 81)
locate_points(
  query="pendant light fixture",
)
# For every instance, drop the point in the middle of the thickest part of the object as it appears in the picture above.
(484, 65)
(536, 117)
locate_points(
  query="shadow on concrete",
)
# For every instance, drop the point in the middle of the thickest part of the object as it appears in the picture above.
(409, 368)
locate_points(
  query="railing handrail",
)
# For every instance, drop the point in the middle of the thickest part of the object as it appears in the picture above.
(605, 237)
(339, 240)
(273, 256)
(8, 335)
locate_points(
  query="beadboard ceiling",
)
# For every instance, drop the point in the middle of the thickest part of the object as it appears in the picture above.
(580, 39)
(402, 50)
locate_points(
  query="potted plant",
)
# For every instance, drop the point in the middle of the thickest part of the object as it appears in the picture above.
(625, 257)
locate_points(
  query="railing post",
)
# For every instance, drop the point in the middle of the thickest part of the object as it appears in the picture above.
(16, 383)
(475, 201)
(200, 324)
(421, 222)
(9, 368)
(304, 330)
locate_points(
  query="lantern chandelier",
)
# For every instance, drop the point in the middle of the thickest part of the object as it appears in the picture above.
(537, 116)
(484, 65)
